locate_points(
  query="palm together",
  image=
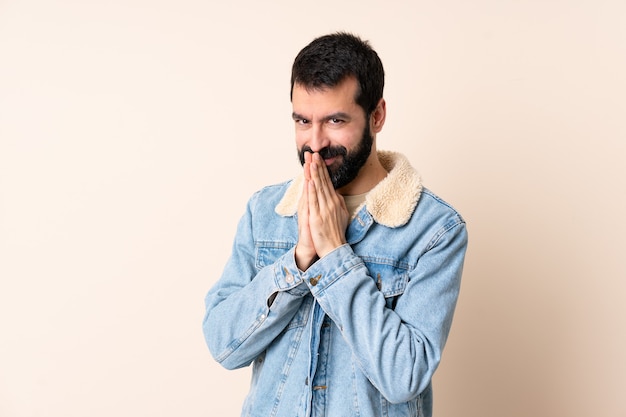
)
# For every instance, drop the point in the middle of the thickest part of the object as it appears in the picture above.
(322, 214)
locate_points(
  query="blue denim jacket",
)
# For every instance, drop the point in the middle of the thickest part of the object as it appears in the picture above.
(361, 332)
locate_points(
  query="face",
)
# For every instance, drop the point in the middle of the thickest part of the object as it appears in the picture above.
(331, 123)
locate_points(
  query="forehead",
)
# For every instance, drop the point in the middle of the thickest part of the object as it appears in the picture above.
(327, 99)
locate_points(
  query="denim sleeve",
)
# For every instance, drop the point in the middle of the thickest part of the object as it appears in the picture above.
(398, 350)
(248, 307)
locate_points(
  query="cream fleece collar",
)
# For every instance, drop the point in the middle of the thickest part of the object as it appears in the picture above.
(391, 202)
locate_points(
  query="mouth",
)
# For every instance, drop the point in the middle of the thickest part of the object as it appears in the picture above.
(333, 162)
(330, 161)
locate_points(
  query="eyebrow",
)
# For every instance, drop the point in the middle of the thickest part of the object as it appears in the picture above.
(337, 115)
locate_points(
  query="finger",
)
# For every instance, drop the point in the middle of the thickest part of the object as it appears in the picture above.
(307, 165)
(323, 185)
(312, 194)
(323, 170)
(305, 249)
(318, 188)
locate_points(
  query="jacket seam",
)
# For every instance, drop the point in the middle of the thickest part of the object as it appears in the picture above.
(442, 232)
(238, 342)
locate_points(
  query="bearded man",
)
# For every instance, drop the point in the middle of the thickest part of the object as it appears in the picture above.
(342, 283)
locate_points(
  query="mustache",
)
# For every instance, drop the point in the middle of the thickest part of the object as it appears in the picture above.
(327, 152)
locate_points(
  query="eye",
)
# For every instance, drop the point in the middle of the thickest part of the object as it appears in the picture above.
(301, 121)
(335, 121)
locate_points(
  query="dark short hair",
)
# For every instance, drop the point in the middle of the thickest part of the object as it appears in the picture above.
(330, 59)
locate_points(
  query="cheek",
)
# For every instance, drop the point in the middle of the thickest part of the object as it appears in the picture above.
(349, 139)
(301, 139)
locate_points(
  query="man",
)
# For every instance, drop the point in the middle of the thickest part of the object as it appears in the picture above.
(342, 283)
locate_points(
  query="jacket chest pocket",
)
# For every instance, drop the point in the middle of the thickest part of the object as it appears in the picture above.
(390, 276)
(266, 252)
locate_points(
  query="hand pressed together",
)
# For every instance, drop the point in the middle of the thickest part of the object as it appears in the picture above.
(322, 214)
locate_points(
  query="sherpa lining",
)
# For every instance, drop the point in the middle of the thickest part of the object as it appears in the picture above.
(391, 202)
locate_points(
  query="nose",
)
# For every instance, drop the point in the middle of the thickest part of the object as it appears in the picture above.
(318, 139)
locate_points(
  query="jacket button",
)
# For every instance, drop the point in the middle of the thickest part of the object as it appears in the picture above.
(315, 280)
(288, 277)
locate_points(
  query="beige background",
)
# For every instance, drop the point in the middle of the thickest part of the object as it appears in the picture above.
(132, 132)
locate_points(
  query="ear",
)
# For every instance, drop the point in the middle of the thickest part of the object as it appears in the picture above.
(377, 119)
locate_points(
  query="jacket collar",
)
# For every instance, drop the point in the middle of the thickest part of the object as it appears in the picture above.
(391, 202)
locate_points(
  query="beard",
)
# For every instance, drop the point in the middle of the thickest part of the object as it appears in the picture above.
(344, 171)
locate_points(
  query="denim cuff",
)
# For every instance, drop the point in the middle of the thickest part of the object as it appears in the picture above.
(287, 276)
(330, 268)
